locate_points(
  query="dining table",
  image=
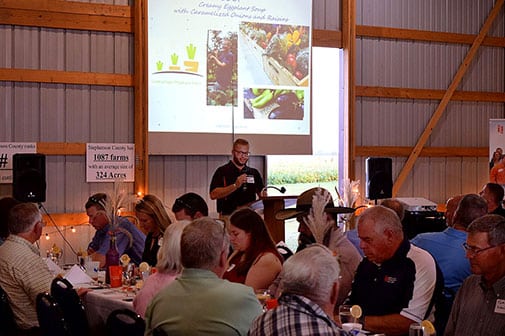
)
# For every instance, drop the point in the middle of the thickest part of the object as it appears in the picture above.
(100, 302)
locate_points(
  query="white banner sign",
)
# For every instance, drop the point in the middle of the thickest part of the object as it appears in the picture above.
(7, 150)
(110, 162)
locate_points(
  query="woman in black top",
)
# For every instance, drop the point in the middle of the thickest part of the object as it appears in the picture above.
(154, 219)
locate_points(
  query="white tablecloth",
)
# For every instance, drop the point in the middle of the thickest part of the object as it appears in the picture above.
(101, 302)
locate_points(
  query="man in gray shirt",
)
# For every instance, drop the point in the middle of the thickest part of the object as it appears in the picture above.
(479, 307)
(199, 301)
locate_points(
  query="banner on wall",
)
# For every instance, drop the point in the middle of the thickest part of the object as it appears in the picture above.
(7, 150)
(109, 162)
(496, 137)
(496, 147)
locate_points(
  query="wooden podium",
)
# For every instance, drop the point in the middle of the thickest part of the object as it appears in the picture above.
(272, 204)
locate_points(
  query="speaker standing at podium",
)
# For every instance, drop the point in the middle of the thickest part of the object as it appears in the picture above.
(236, 185)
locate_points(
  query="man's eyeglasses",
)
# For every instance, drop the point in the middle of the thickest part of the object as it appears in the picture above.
(242, 153)
(475, 250)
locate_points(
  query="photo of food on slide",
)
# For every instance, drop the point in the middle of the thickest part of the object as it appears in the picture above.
(281, 52)
(221, 68)
(267, 103)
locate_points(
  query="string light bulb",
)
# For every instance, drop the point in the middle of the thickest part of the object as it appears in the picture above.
(47, 236)
(72, 229)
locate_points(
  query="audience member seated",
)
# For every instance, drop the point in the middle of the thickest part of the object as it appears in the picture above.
(190, 206)
(395, 282)
(450, 208)
(153, 218)
(23, 273)
(309, 292)
(493, 194)
(168, 267)
(390, 203)
(332, 236)
(199, 302)
(445, 246)
(479, 305)
(129, 239)
(6, 204)
(255, 260)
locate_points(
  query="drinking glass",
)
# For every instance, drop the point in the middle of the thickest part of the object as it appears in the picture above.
(115, 275)
(263, 295)
(416, 329)
(344, 313)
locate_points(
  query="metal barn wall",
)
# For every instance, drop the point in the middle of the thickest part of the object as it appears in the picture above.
(34, 112)
(83, 113)
(38, 112)
(424, 65)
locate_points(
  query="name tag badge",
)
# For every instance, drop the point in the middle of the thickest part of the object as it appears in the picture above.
(500, 170)
(250, 179)
(500, 306)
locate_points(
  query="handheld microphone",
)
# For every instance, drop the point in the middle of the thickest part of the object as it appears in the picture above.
(244, 185)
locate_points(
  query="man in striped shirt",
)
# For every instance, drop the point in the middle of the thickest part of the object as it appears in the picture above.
(23, 273)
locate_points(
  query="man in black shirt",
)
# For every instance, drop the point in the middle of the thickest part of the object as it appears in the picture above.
(236, 185)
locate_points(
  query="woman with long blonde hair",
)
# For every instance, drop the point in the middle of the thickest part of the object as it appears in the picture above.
(153, 219)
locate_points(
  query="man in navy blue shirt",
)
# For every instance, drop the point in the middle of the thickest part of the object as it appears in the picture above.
(395, 282)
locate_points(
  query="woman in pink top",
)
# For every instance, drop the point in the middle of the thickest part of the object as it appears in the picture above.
(168, 267)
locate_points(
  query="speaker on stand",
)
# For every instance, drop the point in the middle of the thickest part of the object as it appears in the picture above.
(379, 178)
(29, 177)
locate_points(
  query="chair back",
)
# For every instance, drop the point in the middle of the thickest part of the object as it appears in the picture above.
(125, 322)
(72, 306)
(50, 316)
(7, 322)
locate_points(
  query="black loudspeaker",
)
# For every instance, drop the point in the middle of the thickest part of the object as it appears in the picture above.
(29, 177)
(379, 178)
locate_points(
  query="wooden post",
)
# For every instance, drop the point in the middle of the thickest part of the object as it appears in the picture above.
(140, 84)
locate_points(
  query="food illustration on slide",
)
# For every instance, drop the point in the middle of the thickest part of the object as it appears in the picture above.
(190, 64)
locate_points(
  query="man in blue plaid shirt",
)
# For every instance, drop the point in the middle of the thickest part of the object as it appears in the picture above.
(309, 288)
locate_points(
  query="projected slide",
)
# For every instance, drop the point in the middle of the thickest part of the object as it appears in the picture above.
(229, 66)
